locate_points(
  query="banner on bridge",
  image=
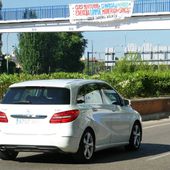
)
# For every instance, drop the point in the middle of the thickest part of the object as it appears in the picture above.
(101, 12)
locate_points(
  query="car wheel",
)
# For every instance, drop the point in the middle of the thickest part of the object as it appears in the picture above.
(86, 147)
(135, 137)
(8, 155)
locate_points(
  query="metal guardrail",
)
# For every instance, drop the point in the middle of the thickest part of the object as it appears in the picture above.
(50, 12)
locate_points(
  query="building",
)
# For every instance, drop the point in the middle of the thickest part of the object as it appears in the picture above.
(109, 57)
(154, 54)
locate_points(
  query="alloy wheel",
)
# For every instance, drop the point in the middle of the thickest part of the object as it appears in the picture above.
(88, 142)
(136, 136)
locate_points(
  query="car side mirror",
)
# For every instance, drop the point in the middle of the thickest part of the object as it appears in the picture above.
(127, 102)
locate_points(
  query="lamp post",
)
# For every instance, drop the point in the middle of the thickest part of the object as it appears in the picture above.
(7, 58)
(88, 53)
(1, 64)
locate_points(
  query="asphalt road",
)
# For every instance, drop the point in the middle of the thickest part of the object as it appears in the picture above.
(153, 155)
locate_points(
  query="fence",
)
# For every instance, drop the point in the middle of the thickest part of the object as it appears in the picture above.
(50, 12)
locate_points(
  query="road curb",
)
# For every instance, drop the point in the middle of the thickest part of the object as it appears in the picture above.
(155, 116)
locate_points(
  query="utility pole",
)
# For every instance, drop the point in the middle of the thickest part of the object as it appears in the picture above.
(88, 71)
(92, 57)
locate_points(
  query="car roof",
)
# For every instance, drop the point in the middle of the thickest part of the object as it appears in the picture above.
(55, 83)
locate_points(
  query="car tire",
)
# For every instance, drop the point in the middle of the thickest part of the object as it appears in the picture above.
(135, 137)
(86, 148)
(8, 155)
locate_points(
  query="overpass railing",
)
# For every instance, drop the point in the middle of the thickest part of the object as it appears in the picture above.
(151, 6)
(62, 11)
(35, 12)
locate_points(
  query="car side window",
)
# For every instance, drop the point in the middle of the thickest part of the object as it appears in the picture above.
(89, 94)
(110, 96)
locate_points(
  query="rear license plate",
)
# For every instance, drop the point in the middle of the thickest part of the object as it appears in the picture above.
(24, 121)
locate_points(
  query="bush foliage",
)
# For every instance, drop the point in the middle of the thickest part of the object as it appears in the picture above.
(135, 84)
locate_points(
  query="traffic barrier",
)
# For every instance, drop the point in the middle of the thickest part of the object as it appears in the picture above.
(152, 108)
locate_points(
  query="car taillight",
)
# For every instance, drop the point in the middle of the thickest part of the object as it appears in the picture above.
(65, 117)
(3, 118)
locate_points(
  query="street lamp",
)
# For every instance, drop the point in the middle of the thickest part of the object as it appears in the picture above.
(7, 58)
(1, 61)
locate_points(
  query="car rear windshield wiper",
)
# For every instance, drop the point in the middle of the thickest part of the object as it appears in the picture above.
(23, 102)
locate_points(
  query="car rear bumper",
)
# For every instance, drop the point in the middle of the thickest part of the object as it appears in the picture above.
(36, 143)
(30, 148)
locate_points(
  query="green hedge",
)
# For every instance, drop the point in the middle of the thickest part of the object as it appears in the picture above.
(137, 84)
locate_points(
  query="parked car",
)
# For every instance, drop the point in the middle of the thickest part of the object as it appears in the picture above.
(72, 116)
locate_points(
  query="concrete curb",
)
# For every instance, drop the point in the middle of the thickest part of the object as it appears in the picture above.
(155, 116)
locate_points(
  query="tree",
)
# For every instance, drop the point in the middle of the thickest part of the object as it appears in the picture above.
(70, 49)
(130, 63)
(50, 52)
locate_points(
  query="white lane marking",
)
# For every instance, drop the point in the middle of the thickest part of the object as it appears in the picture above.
(159, 156)
(153, 126)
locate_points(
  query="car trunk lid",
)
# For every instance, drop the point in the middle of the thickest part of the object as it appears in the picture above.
(31, 119)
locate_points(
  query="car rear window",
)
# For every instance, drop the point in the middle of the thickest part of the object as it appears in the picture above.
(37, 95)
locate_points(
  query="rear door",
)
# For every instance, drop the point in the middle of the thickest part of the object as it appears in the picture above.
(89, 98)
(120, 118)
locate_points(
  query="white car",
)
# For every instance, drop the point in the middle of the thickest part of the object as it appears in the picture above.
(69, 115)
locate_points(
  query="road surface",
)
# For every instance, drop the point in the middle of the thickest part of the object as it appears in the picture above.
(154, 154)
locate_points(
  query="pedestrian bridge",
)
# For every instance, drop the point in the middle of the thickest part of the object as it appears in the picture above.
(146, 15)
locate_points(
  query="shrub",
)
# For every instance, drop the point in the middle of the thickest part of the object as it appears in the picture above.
(136, 84)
